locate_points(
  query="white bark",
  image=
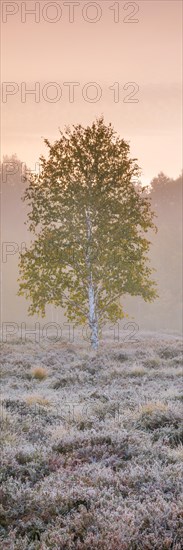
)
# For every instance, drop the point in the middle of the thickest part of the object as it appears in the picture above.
(93, 322)
(92, 316)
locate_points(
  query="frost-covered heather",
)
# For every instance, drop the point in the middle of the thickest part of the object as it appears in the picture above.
(92, 446)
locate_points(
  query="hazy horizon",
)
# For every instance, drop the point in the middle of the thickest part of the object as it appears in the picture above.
(146, 52)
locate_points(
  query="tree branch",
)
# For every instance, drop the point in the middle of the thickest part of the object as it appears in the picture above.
(110, 301)
(72, 302)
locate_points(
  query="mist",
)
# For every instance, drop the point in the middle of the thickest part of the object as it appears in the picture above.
(164, 314)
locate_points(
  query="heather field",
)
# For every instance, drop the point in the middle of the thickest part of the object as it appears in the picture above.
(92, 445)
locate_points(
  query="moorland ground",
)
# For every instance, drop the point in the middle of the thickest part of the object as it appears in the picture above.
(92, 445)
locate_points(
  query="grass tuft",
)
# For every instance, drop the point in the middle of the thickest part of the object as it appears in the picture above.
(39, 373)
(37, 399)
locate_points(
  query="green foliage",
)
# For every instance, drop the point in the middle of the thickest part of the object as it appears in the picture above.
(88, 173)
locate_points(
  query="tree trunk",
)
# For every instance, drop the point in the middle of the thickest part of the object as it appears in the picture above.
(93, 323)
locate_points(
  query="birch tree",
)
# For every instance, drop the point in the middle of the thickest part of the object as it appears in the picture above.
(89, 222)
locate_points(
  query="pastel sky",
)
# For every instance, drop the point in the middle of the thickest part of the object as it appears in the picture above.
(146, 52)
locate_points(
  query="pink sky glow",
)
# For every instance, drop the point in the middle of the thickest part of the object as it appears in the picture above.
(111, 44)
